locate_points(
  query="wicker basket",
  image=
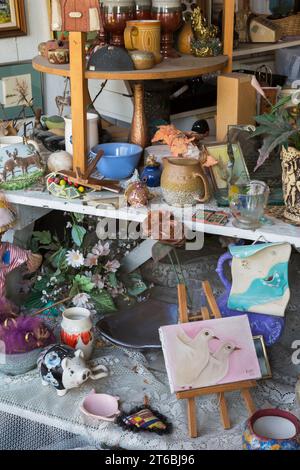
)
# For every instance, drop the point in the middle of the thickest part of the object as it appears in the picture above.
(290, 25)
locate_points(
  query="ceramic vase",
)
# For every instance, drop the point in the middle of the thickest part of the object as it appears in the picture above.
(139, 129)
(185, 37)
(77, 330)
(183, 182)
(169, 13)
(290, 160)
(272, 430)
(115, 15)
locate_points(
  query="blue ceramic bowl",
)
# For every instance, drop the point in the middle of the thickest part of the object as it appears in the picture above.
(119, 160)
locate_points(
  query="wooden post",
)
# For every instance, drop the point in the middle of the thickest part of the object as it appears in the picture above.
(79, 100)
(228, 32)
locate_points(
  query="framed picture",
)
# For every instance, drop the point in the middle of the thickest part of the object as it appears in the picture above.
(229, 168)
(262, 357)
(20, 91)
(12, 18)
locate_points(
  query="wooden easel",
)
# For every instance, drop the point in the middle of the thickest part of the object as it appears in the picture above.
(190, 395)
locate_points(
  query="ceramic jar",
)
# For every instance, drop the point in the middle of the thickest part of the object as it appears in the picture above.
(151, 174)
(183, 182)
(115, 15)
(169, 13)
(144, 36)
(290, 160)
(272, 430)
(59, 56)
(77, 330)
(185, 37)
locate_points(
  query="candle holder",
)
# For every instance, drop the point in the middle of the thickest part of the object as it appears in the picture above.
(115, 15)
(169, 13)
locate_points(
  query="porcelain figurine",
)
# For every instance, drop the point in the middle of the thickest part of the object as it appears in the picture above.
(100, 406)
(77, 330)
(205, 42)
(76, 15)
(11, 257)
(64, 368)
(152, 172)
(272, 430)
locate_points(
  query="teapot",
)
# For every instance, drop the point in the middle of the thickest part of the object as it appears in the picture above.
(183, 182)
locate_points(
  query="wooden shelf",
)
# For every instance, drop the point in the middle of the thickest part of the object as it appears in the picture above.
(248, 48)
(184, 67)
(278, 232)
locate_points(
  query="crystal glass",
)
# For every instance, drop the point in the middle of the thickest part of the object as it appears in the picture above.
(143, 9)
(169, 13)
(247, 203)
(115, 15)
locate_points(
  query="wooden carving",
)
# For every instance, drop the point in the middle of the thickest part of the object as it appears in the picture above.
(75, 15)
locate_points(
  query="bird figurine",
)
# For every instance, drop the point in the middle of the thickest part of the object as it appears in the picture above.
(217, 366)
(205, 42)
(192, 356)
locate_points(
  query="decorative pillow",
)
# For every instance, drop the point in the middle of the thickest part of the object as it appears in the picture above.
(145, 419)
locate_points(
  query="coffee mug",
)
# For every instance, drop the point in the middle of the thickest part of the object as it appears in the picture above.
(143, 35)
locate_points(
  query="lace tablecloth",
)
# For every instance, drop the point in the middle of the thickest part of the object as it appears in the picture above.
(32, 416)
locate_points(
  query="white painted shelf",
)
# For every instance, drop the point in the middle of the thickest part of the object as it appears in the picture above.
(256, 48)
(278, 232)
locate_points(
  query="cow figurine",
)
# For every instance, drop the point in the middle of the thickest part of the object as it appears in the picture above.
(65, 368)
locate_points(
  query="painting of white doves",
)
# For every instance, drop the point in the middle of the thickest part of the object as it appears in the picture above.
(217, 367)
(209, 352)
(192, 351)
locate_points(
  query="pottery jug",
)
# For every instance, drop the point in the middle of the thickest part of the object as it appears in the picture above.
(143, 35)
(77, 330)
(290, 160)
(272, 430)
(183, 182)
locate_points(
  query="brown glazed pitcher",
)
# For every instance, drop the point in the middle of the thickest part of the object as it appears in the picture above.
(183, 182)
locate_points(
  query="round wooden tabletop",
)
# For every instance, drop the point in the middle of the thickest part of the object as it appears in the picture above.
(183, 67)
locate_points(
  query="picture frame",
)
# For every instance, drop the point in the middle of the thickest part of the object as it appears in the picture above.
(12, 18)
(220, 152)
(21, 90)
(262, 356)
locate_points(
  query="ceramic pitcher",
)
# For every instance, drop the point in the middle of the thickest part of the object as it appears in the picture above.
(183, 182)
(77, 330)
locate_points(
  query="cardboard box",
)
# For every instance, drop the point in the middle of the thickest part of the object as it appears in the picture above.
(236, 102)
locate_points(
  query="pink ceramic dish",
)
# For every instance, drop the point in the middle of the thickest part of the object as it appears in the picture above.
(100, 406)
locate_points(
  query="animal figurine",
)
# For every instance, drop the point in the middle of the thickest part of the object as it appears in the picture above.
(205, 42)
(64, 368)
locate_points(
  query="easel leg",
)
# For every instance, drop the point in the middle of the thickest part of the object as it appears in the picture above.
(192, 417)
(224, 412)
(248, 401)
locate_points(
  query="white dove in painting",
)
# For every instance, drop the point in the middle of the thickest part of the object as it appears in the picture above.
(217, 366)
(192, 356)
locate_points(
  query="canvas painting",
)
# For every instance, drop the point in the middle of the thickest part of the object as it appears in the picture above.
(16, 91)
(208, 353)
(7, 14)
(12, 18)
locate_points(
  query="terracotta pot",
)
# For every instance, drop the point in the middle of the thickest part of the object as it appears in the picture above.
(290, 160)
(183, 182)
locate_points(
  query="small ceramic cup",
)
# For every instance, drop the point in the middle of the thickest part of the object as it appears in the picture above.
(100, 406)
(272, 429)
(77, 330)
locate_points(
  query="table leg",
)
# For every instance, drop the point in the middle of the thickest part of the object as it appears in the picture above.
(139, 128)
